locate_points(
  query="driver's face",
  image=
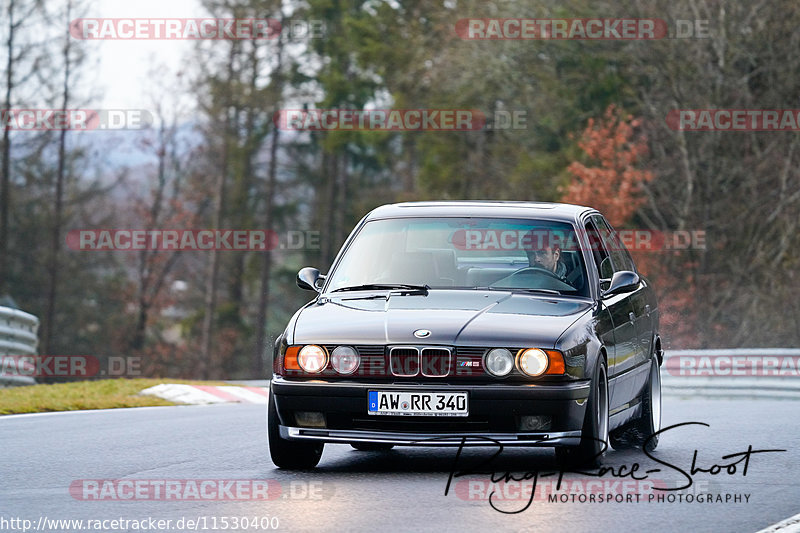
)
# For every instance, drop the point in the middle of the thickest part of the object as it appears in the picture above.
(546, 258)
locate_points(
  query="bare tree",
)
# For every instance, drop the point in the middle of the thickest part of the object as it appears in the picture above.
(71, 59)
(269, 199)
(17, 51)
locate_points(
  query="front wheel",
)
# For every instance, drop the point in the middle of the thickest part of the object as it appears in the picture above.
(594, 436)
(289, 454)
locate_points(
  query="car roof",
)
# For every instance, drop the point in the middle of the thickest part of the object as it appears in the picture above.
(481, 208)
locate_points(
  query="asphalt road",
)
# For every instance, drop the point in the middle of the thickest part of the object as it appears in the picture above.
(401, 490)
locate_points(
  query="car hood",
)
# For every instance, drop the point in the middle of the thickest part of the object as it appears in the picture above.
(467, 318)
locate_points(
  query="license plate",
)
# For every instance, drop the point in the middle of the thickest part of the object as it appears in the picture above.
(417, 403)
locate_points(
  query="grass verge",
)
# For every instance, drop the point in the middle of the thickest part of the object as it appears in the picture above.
(79, 395)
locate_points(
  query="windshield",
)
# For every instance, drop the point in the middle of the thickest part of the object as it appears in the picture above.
(463, 253)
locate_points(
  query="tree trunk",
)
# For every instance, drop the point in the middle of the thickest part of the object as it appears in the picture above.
(210, 303)
(262, 329)
(5, 181)
(55, 250)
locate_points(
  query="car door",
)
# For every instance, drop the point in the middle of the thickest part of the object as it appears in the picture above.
(620, 339)
(630, 368)
(640, 298)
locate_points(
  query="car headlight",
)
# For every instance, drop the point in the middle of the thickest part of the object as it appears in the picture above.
(498, 362)
(312, 358)
(345, 359)
(532, 362)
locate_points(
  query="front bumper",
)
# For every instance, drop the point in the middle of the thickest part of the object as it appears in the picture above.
(494, 414)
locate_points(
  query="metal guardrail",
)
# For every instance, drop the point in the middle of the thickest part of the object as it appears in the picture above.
(772, 373)
(18, 336)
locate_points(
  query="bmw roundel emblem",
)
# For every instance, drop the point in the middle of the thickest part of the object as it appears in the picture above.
(422, 333)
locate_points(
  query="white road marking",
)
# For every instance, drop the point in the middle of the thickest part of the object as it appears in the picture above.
(790, 525)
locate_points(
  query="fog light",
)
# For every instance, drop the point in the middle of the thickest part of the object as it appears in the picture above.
(310, 419)
(498, 362)
(345, 359)
(533, 423)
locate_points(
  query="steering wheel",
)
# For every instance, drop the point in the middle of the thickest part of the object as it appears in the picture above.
(531, 269)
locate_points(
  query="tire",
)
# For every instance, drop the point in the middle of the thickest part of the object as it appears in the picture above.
(371, 447)
(289, 454)
(594, 435)
(635, 434)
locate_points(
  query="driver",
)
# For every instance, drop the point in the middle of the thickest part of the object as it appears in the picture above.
(548, 258)
(544, 251)
(544, 255)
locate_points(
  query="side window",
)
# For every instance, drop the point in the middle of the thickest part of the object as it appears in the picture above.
(620, 257)
(599, 251)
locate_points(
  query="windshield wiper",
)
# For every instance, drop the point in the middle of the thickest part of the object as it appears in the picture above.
(523, 289)
(385, 286)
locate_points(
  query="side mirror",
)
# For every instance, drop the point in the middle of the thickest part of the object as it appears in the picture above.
(622, 281)
(309, 278)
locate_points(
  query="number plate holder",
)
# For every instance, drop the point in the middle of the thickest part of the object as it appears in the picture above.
(417, 403)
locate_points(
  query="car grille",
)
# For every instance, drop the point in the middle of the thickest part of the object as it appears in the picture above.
(410, 361)
(435, 362)
(373, 361)
(404, 362)
(469, 361)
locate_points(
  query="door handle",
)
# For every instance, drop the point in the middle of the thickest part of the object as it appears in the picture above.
(631, 316)
(647, 308)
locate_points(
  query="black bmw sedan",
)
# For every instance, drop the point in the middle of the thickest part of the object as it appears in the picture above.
(469, 324)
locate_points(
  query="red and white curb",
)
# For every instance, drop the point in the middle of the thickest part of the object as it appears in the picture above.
(207, 394)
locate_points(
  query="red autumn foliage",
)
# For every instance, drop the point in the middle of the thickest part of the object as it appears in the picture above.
(614, 187)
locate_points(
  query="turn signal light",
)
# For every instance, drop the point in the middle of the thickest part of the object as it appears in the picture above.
(556, 365)
(290, 358)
